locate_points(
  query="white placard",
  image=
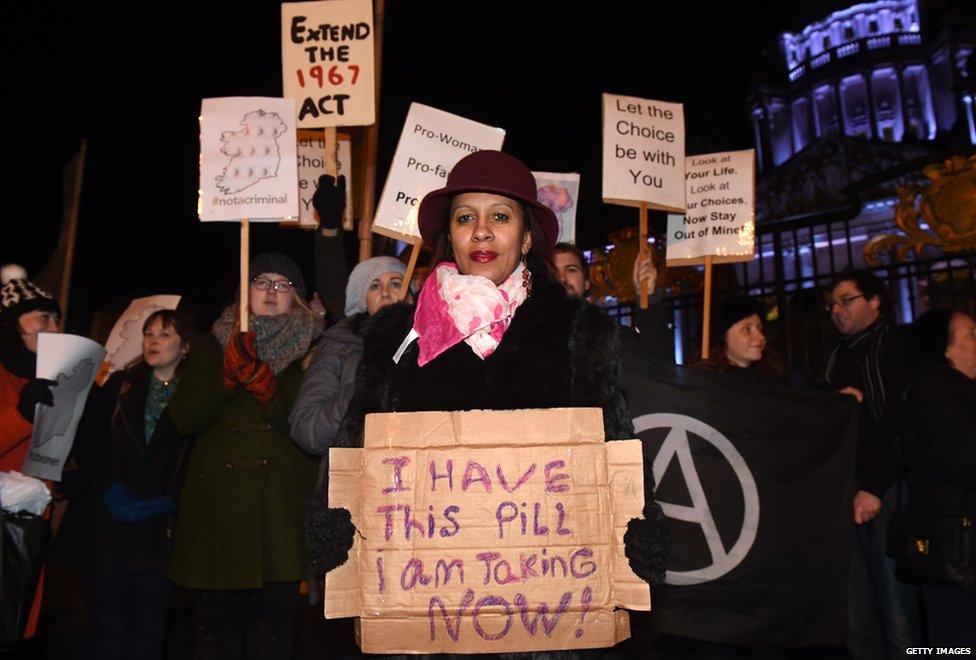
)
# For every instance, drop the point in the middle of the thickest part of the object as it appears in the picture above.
(720, 220)
(560, 192)
(73, 362)
(248, 161)
(311, 165)
(431, 142)
(643, 153)
(125, 342)
(327, 62)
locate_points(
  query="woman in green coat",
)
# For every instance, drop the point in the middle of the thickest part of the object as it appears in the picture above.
(239, 538)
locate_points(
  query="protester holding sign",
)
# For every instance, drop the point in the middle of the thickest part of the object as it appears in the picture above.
(373, 284)
(128, 461)
(491, 330)
(26, 311)
(238, 541)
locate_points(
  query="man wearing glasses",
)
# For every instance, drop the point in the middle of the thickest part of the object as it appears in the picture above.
(868, 363)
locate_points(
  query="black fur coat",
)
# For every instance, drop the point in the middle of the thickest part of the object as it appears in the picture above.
(558, 352)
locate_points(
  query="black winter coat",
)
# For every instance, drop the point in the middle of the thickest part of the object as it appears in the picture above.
(111, 447)
(557, 352)
(939, 454)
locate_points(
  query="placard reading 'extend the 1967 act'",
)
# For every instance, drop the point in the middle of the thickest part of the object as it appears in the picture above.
(643, 152)
(431, 142)
(327, 61)
(719, 221)
(487, 531)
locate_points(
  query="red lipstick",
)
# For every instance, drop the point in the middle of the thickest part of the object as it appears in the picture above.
(483, 256)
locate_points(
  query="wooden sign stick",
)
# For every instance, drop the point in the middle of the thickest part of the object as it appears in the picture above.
(411, 264)
(245, 278)
(642, 250)
(332, 152)
(707, 309)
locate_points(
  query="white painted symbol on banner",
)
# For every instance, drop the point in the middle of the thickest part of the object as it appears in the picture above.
(676, 444)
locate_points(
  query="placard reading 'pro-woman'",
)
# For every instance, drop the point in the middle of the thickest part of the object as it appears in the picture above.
(487, 532)
(431, 142)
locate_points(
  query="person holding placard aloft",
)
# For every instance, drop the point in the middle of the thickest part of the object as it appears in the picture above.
(26, 310)
(329, 382)
(238, 541)
(491, 329)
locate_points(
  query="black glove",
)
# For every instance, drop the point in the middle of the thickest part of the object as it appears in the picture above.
(329, 201)
(646, 544)
(35, 391)
(329, 533)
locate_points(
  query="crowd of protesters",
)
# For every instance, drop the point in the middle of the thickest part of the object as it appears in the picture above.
(204, 463)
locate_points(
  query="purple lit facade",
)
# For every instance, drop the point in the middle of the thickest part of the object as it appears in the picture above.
(866, 71)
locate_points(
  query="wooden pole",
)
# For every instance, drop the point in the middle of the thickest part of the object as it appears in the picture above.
(411, 264)
(331, 152)
(642, 250)
(372, 142)
(707, 309)
(69, 256)
(245, 278)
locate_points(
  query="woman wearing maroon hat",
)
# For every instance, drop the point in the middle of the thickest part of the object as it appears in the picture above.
(492, 329)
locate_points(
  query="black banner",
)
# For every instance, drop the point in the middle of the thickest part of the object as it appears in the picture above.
(757, 482)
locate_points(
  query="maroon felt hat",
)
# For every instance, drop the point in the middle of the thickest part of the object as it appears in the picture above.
(485, 171)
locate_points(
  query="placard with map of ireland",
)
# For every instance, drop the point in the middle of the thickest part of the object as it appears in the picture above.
(73, 362)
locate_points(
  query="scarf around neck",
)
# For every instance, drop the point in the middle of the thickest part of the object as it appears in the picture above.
(453, 308)
(281, 339)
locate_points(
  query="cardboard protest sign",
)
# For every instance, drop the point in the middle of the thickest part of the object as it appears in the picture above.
(248, 159)
(560, 192)
(311, 165)
(125, 341)
(431, 142)
(487, 531)
(720, 220)
(643, 153)
(327, 61)
(72, 361)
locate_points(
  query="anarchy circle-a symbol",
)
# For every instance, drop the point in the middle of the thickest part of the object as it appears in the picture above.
(676, 445)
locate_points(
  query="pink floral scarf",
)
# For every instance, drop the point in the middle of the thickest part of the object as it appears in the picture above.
(453, 308)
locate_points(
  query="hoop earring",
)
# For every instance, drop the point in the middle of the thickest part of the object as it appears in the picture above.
(526, 277)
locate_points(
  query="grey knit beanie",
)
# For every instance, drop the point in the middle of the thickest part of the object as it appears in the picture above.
(364, 273)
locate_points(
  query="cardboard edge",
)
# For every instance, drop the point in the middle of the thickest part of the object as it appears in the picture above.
(625, 467)
(342, 584)
(447, 429)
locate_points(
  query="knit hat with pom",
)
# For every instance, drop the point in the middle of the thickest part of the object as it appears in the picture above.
(19, 295)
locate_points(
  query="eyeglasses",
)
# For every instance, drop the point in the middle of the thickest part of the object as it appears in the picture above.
(844, 302)
(262, 284)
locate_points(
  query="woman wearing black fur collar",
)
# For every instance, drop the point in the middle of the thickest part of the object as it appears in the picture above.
(492, 329)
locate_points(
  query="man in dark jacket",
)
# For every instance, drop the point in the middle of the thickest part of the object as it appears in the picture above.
(868, 362)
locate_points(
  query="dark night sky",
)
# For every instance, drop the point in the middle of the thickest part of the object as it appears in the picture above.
(131, 83)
